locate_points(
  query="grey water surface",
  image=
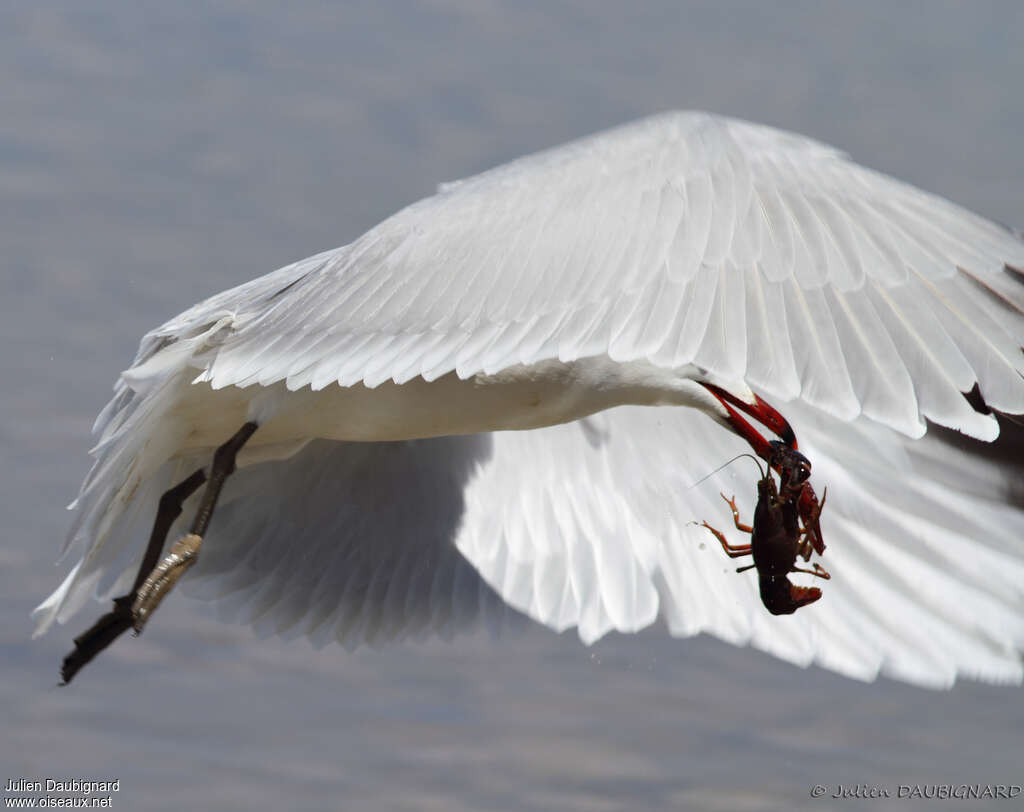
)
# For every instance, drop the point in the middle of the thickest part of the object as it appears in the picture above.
(153, 153)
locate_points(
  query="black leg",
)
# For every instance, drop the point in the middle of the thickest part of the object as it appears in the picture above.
(170, 509)
(223, 467)
(183, 552)
(113, 624)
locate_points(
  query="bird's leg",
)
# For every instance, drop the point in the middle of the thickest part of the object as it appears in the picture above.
(113, 624)
(183, 552)
(170, 508)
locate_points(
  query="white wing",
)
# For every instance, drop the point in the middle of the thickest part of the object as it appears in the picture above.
(588, 524)
(753, 253)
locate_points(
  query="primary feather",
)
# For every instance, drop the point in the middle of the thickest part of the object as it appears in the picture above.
(685, 242)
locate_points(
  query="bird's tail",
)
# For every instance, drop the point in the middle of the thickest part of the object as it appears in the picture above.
(138, 440)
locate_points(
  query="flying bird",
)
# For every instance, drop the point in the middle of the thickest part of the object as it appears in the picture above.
(522, 395)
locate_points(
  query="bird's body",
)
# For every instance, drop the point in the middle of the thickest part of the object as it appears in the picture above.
(626, 269)
(516, 398)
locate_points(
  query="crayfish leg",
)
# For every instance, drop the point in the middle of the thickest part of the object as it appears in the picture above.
(818, 571)
(731, 550)
(745, 528)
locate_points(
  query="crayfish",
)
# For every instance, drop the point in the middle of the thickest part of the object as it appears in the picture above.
(776, 538)
(794, 468)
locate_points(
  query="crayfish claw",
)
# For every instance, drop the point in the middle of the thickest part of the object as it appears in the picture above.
(803, 595)
(810, 510)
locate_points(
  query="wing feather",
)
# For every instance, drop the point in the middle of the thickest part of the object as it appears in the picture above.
(690, 242)
(880, 379)
(724, 345)
(581, 243)
(770, 364)
(817, 353)
(698, 302)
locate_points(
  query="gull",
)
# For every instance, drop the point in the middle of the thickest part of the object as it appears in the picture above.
(521, 395)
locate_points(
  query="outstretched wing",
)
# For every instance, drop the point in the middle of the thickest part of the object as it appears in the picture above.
(925, 543)
(589, 525)
(685, 237)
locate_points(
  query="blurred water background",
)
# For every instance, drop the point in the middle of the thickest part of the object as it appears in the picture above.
(154, 153)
